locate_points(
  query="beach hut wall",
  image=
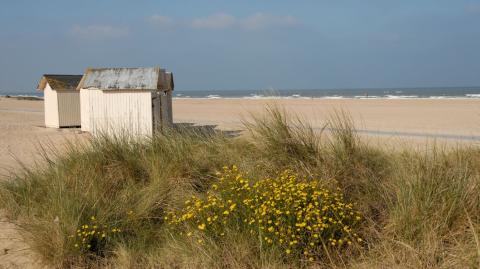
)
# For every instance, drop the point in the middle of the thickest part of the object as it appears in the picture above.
(131, 101)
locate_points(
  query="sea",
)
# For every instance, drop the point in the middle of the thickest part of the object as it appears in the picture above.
(360, 93)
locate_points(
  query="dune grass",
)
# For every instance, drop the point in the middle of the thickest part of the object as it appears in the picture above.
(419, 209)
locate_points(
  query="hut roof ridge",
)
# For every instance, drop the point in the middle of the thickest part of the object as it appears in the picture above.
(59, 81)
(127, 78)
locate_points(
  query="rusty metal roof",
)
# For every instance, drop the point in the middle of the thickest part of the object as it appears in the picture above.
(59, 82)
(149, 78)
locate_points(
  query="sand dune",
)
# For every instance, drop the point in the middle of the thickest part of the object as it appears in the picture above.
(391, 121)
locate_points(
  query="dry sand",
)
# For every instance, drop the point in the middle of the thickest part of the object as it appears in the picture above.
(391, 121)
(21, 131)
(427, 116)
(454, 120)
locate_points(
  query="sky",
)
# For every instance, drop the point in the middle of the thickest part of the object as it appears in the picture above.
(249, 44)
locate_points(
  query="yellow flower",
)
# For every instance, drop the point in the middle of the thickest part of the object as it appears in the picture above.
(270, 205)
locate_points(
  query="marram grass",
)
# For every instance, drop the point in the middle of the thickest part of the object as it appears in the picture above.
(295, 198)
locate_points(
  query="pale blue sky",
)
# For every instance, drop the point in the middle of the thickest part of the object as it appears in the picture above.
(247, 44)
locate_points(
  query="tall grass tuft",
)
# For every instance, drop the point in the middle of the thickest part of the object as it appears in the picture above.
(121, 182)
(436, 204)
(359, 168)
(285, 140)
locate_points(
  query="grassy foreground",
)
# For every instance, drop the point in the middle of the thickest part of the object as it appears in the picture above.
(281, 197)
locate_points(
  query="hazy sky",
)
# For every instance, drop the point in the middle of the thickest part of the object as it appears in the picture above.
(247, 44)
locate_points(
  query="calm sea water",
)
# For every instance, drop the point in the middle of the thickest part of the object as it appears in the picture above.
(390, 93)
(394, 93)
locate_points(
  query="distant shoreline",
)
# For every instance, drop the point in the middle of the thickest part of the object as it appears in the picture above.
(332, 98)
(365, 93)
(392, 97)
(23, 97)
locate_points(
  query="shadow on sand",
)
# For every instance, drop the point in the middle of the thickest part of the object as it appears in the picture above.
(206, 130)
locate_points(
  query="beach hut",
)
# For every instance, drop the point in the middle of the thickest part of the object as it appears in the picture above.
(126, 101)
(61, 100)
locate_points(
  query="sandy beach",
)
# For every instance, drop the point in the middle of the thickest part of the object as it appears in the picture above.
(456, 117)
(450, 120)
(22, 131)
(391, 122)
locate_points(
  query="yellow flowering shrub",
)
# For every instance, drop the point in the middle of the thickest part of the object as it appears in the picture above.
(298, 216)
(93, 237)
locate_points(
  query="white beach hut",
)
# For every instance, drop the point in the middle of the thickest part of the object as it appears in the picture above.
(130, 101)
(61, 100)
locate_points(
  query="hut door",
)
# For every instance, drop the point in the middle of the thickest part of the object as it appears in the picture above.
(156, 112)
